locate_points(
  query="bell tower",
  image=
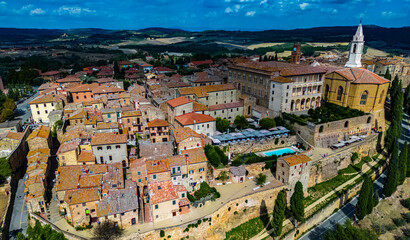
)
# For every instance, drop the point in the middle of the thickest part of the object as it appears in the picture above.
(296, 53)
(356, 48)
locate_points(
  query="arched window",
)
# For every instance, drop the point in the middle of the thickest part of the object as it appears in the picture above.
(327, 91)
(369, 119)
(381, 97)
(321, 129)
(339, 93)
(363, 98)
(346, 124)
(354, 48)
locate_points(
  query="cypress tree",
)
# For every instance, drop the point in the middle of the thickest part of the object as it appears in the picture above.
(407, 146)
(403, 163)
(296, 203)
(392, 177)
(363, 201)
(395, 129)
(375, 199)
(278, 214)
(387, 75)
(370, 202)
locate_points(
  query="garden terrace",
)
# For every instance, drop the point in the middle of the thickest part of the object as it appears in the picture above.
(328, 112)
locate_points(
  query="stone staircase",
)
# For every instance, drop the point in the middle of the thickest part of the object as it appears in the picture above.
(54, 208)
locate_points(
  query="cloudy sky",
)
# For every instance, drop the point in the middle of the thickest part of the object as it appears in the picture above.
(202, 14)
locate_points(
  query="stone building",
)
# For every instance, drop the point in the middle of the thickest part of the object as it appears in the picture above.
(222, 100)
(39, 138)
(279, 86)
(178, 106)
(158, 131)
(110, 148)
(132, 121)
(10, 126)
(200, 123)
(167, 200)
(294, 168)
(68, 153)
(43, 105)
(186, 138)
(204, 79)
(360, 89)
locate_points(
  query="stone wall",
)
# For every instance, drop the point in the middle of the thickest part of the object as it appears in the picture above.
(324, 213)
(326, 168)
(18, 157)
(260, 145)
(253, 171)
(43, 222)
(229, 216)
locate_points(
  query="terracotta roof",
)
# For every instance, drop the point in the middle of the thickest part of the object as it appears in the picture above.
(41, 132)
(38, 159)
(162, 69)
(85, 87)
(119, 201)
(285, 69)
(191, 118)
(108, 125)
(87, 181)
(107, 89)
(68, 146)
(133, 113)
(86, 156)
(105, 80)
(162, 192)
(194, 155)
(176, 161)
(50, 73)
(181, 134)
(16, 136)
(281, 79)
(296, 159)
(49, 98)
(75, 133)
(202, 62)
(41, 151)
(157, 150)
(79, 114)
(179, 101)
(361, 76)
(226, 106)
(198, 107)
(48, 85)
(157, 166)
(202, 91)
(177, 84)
(108, 138)
(158, 123)
(184, 201)
(70, 79)
(180, 188)
(81, 196)
(34, 190)
(238, 171)
(69, 176)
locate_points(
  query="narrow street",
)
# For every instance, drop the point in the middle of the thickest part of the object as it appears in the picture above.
(347, 212)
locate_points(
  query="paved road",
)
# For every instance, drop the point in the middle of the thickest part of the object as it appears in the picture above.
(22, 112)
(19, 217)
(347, 211)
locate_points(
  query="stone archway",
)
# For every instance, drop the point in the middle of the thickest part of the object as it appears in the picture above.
(313, 103)
(302, 104)
(318, 102)
(292, 106)
(307, 103)
(297, 107)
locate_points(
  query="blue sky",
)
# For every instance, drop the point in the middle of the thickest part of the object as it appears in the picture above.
(202, 14)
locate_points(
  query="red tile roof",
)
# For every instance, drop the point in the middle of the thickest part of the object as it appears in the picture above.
(181, 134)
(162, 69)
(179, 101)
(191, 118)
(226, 106)
(158, 123)
(197, 63)
(162, 192)
(108, 138)
(362, 76)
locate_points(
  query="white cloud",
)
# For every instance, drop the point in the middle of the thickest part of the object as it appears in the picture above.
(228, 10)
(3, 3)
(211, 14)
(263, 2)
(250, 14)
(65, 10)
(37, 11)
(303, 6)
(237, 7)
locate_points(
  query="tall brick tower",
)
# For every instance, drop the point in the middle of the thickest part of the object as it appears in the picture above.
(296, 53)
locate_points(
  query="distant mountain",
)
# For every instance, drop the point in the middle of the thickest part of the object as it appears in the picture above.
(375, 36)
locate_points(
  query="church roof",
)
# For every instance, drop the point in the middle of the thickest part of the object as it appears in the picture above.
(361, 76)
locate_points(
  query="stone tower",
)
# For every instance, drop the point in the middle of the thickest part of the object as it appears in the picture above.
(356, 48)
(296, 53)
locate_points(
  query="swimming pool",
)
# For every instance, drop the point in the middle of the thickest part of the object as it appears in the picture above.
(279, 152)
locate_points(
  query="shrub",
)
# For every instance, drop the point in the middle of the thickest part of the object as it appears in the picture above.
(276, 141)
(406, 217)
(217, 195)
(229, 209)
(399, 222)
(354, 156)
(162, 233)
(234, 213)
(406, 203)
(390, 227)
(282, 142)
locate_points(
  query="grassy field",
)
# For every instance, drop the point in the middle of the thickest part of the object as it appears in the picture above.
(260, 45)
(246, 230)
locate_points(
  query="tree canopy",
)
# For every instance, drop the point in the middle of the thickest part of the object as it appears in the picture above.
(222, 124)
(267, 123)
(296, 202)
(278, 214)
(41, 232)
(241, 121)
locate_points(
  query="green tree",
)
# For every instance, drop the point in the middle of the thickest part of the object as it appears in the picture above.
(267, 123)
(5, 169)
(403, 158)
(296, 203)
(222, 124)
(223, 176)
(349, 232)
(395, 129)
(212, 156)
(241, 121)
(107, 230)
(364, 197)
(375, 199)
(387, 75)
(223, 158)
(260, 179)
(406, 99)
(20, 236)
(393, 174)
(278, 214)
(370, 203)
(407, 145)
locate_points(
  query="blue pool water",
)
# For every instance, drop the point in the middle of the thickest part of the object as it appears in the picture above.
(279, 152)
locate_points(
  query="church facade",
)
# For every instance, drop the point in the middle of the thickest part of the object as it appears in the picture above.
(356, 87)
